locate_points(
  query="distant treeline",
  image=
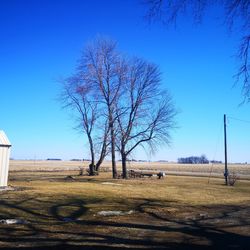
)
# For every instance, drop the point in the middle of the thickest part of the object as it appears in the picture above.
(194, 160)
(217, 162)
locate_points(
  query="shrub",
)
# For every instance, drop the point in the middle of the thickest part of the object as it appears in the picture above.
(232, 178)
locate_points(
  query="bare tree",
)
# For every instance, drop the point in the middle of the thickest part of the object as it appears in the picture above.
(78, 96)
(145, 114)
(122, 98)
(236, 14)
(103, 68)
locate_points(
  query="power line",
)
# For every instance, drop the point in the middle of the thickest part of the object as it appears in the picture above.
(237, 119)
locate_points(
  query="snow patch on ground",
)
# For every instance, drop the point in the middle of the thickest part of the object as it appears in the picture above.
(13, 221)
(111, 183)
(114, 213)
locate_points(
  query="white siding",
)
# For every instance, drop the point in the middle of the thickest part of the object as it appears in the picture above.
(4, 159)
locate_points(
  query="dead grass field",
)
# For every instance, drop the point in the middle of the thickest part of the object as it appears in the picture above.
(177, 212)
(213, 170)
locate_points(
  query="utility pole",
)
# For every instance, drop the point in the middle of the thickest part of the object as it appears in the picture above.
(225, 147)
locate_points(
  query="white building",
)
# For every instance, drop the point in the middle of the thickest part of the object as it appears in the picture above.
(4, 159)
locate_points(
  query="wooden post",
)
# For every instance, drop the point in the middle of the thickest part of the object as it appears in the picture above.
(225, 147)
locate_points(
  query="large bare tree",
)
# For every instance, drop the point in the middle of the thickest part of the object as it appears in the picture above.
(123, 97)
(103, 68)
(145, 113)
(236, 15)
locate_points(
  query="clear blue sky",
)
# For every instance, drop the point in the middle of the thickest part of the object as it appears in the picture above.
(41, 40)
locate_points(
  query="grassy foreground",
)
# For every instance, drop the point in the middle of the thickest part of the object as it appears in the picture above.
(173, 213)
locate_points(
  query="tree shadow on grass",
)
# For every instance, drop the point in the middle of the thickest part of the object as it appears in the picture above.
(67, 226)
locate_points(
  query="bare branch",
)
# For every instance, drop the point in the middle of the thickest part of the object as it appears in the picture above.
(236, 15)
(243, 71)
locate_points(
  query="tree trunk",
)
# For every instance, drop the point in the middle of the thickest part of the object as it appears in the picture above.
(114, 170)
(112, 135)
(103, 152)
(124, 165)
(98, 164)
(92, 164)
(91, 169)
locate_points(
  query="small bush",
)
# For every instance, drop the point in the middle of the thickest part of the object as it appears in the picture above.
(232, 178)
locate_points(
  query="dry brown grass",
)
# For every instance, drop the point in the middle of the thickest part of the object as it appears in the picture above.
(175, 212)
(214, 170)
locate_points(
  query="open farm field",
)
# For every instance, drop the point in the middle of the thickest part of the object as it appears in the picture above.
(53, 211)
(206, 170)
